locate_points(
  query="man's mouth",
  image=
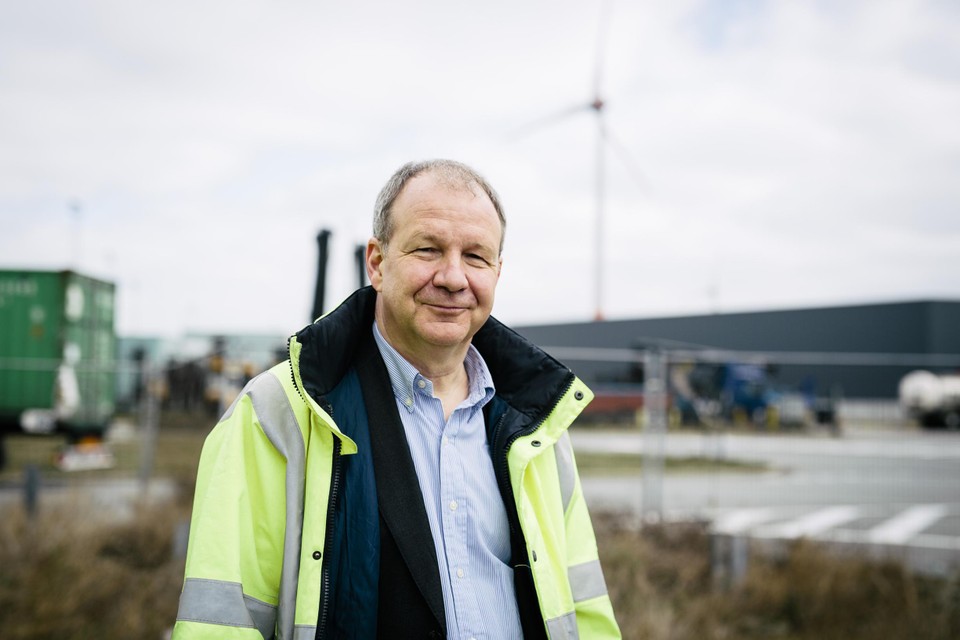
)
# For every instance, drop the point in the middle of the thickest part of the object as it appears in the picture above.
(446, 307)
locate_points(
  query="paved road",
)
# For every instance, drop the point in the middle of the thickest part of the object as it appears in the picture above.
(894, 490)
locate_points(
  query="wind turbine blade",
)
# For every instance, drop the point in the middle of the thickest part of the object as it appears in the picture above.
(546, 121)
(598, 63)
(627, 160)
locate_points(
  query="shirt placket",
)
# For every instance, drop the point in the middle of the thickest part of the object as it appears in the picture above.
(455, 514)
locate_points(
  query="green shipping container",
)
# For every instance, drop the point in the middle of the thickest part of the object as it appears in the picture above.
(57, 351)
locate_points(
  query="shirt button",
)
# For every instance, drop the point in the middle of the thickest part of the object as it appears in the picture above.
(408, 401)
(459, 573)
(453, 505)
(446, 440)
(421, 384)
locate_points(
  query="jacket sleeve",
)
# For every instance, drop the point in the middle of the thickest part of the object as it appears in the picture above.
(233, 560)
(594, 611)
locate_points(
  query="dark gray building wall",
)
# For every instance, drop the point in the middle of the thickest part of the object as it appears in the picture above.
(943, 327)
(923, 327)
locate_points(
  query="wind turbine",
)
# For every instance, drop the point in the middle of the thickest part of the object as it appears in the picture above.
(603, 138)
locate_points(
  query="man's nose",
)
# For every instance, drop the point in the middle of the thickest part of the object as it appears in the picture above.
(450, 273)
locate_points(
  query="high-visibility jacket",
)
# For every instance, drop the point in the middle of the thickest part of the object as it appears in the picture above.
(256, 555)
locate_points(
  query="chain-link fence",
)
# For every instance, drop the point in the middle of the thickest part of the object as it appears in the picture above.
(877, 470)
(115, 433)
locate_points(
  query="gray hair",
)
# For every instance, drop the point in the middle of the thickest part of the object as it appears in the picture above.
(451, 173)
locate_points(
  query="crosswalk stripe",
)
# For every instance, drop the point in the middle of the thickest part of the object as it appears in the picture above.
(907, 524)
(813, 523)
(742, 520)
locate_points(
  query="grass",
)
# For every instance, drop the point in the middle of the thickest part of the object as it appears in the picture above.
(180, 437)
(67, 577)
(661, 585)
(589, 463)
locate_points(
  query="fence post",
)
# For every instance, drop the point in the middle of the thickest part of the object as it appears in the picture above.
(729, 559)
(31, 489)
(149, 419)
(654, 433)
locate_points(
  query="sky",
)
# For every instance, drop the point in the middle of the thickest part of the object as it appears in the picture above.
(760, 154)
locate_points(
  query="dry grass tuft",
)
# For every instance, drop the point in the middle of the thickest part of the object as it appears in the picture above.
(63, 575)
(660, 583)
(68, 578)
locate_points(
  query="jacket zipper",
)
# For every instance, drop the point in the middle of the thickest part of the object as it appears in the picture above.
(503, 467)
(325, 578)
(292, 375)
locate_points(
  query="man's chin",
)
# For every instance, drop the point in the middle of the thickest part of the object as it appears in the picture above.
(445, 334)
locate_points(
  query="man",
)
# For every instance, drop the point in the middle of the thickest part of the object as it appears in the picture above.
(407, 473)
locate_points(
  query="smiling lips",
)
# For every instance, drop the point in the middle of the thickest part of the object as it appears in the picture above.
(445, 307)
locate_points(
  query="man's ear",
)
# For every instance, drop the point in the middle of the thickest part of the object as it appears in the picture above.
(374, 258)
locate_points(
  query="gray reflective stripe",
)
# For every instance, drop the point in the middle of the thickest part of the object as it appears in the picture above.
(264, 616)
(233, 405)
(302, 632)
(565, 468)
(221, 602)
(586, 581)
(280, 425)
(563, 627)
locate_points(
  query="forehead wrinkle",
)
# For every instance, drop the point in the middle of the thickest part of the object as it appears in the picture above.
(434, 221)
(465, 240)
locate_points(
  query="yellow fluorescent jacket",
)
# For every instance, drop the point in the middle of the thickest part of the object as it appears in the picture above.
(253, 567)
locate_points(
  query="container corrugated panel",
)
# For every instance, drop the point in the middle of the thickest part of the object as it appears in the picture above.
(89, 328)
(31, 314)
(57, 323)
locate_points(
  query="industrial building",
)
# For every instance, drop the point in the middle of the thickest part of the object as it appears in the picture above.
(858, 351)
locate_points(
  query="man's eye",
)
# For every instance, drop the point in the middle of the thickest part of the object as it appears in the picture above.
(474, 258)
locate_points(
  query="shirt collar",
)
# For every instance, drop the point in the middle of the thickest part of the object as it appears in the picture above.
(404, 376)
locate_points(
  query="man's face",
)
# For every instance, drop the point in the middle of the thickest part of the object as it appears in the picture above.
(437, 275)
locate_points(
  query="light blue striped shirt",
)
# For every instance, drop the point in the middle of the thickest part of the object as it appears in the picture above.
(466, 513)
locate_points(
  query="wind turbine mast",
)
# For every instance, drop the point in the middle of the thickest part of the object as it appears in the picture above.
(599, 177)
(600, 170)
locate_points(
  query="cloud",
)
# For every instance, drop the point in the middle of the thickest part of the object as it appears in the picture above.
(791, 153)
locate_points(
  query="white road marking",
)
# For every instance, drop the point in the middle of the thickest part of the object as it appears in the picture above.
(742, 520)
(812, 524)
(907, 524)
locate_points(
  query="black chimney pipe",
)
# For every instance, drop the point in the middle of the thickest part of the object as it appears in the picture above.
(360, 255)
(322, 241)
